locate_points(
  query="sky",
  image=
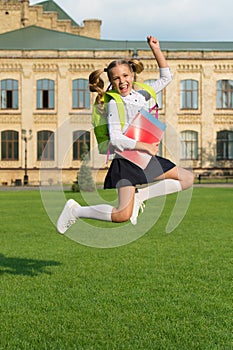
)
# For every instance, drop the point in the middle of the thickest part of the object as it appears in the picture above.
(168, 20)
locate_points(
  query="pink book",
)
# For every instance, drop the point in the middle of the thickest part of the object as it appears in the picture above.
(145, 128)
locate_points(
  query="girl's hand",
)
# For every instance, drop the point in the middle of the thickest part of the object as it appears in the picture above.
(155, 48)
(151, 148)
(153, 42)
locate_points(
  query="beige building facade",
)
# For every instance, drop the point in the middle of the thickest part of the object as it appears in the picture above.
(45, 109)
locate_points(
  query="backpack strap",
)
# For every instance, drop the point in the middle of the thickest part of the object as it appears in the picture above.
(152, 92)
(120, 105)
(121, 110)
(147, 88)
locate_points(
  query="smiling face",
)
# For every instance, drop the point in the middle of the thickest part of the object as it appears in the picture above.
(121, 79)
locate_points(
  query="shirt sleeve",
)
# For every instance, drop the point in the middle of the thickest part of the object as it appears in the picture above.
(117, 138)
(164, 79)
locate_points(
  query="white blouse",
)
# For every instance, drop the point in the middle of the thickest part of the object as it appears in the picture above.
(133, 103)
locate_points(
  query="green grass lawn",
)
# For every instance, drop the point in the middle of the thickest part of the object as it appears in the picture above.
(162, 291)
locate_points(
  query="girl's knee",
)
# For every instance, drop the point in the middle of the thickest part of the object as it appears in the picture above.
(121, 216)
(188, 180)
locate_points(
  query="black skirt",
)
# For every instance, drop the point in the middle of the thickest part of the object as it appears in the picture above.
(122, 172)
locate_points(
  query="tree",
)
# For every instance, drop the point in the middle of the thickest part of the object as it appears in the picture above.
(85, 180)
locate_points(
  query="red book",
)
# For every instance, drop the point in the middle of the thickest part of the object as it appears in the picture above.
(144, 128)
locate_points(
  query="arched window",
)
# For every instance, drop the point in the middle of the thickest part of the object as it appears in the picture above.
(159, 95)
(9, 94)
(81, 141)
(189, 94)
(45, 145)
(45, 94)
(225, 94)
(9, 145)
(225, 145)
(189, 145)
(80, 94)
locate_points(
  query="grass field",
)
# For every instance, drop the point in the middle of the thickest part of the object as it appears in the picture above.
(163, 291)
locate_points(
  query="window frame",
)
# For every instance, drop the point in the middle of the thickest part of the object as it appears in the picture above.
(224, 94)
(45, 94)
(159, 96)
(80, 138)
(9, 94)
(45, 145)
(189, 145)
(189, 95)
(80, 94)
(9, 145)
(224, 145)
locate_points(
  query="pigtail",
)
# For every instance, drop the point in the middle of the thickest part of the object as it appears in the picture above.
(96, 84)
(136, 65)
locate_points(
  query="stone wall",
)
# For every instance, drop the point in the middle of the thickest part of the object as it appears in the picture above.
(15, 15)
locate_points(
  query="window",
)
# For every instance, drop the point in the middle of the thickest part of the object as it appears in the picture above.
(189, 145)
(225, 94)
(224, 145)
(80, 94)
(160, 152)
(159, 96)
(189, 94)
(45, 94)
(9, 145)
(45, 145)
(81, 139)
(9, 94)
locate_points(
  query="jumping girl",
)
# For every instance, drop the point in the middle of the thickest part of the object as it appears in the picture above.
(161, 175)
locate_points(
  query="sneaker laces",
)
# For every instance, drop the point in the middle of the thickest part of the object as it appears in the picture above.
(69, 223)
(142, 207)
(139, 206)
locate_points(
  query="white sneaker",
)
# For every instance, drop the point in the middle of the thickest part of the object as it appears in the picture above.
(66, 219)
(138, 206)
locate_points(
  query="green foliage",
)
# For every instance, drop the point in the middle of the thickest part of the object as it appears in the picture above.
(85, 180)
(75, 187)
(163, 291)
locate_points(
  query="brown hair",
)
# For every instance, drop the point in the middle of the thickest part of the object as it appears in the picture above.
(96, 83)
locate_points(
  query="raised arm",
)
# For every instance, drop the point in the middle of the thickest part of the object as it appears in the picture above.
(155, 48)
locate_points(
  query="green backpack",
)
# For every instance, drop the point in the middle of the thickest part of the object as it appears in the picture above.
(99, 120)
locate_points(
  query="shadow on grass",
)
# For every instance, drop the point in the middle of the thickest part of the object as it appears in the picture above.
(25, 267)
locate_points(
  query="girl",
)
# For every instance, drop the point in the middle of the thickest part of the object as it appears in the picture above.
(123, 174)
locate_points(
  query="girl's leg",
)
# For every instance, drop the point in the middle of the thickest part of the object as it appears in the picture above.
(185, 177)
(125, 204)
(72, 210)
(174, 180)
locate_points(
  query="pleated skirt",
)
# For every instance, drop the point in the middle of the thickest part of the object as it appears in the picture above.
(122, 172)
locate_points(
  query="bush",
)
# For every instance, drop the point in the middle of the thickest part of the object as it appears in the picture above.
(75, 187)
(85, 180)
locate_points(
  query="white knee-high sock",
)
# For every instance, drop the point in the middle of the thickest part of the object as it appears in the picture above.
(160, 188)
(98, 212)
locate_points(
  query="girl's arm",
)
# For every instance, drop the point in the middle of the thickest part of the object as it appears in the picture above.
(119, 140)
(155, 48)
(151, 148)
(117, 137)
(164, 70)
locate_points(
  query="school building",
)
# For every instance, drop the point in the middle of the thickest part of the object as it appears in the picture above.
(45, 107)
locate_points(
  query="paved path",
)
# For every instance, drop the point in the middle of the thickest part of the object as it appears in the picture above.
(68, 187)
